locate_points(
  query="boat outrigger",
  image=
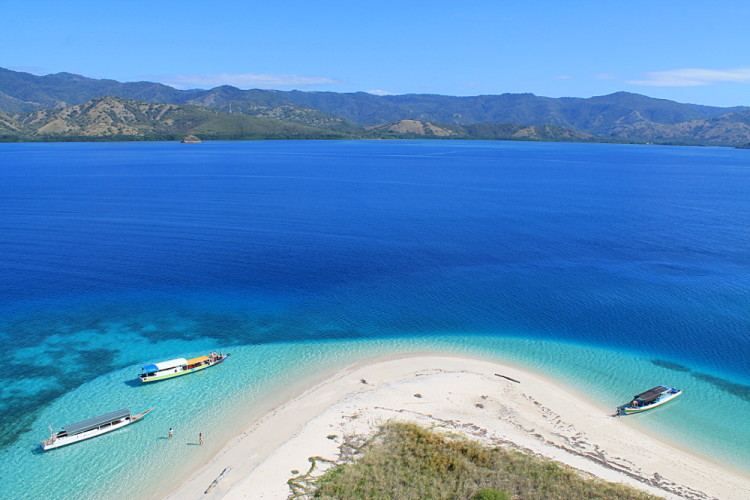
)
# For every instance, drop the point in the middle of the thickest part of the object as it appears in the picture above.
(650, 399)
(91, 427)
(180, 366)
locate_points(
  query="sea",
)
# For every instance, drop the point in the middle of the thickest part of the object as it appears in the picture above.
(610, 268)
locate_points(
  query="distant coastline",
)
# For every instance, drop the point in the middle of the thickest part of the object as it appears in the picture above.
(231, 138)
(65, 107)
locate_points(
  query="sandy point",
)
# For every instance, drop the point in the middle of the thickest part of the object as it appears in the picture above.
(496, 404)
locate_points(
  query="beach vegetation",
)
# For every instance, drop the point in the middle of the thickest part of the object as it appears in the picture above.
(490, 494)
(406, 461)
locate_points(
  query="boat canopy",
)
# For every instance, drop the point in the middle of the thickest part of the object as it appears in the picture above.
(199, 359)
(165, 365)
(651, 394)
(93, 423)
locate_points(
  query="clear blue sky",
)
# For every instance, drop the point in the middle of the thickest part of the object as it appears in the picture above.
(684, 50)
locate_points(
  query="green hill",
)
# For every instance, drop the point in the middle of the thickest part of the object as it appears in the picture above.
(23, 92)
(488, 131)
(593, 115)
(7, 125)
(117, 117)
(729, 129)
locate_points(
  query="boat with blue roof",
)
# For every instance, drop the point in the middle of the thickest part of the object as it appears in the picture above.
(180, 366)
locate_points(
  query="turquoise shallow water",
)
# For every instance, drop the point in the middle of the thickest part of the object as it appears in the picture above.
(612, 267)
(143, 462)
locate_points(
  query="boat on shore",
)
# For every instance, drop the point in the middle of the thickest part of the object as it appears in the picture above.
(180, 366)
(92, 427)
(649, 400)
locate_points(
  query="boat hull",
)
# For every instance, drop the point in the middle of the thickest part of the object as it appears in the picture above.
(51, 444)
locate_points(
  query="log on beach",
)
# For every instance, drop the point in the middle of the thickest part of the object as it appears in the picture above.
(508, 378)
(216, 481)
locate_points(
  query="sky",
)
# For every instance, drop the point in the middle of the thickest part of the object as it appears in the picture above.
(688, 51)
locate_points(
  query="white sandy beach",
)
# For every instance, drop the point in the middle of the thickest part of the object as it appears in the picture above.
(459, 394)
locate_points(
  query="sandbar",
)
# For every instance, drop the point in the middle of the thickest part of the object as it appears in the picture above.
(494, 403)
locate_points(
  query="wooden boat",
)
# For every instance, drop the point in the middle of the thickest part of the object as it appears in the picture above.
(649, 400)
(92, 427)
(180, 366)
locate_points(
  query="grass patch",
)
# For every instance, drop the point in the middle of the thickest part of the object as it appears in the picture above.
(407, 462)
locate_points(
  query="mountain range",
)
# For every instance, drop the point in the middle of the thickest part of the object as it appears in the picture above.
(117, 118)
(66, 106)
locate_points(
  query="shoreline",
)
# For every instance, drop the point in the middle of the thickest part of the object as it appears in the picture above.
(530, 413)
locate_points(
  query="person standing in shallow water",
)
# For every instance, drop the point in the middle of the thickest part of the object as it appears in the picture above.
(200, 438)
(171, 433)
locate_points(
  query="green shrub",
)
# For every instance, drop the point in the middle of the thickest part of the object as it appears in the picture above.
(488, 494)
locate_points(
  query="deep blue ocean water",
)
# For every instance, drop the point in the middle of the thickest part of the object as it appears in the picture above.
(613, 267)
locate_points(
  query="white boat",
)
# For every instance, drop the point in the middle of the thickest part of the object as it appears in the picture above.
(180, 366)
(649, 400)
(91, 427)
